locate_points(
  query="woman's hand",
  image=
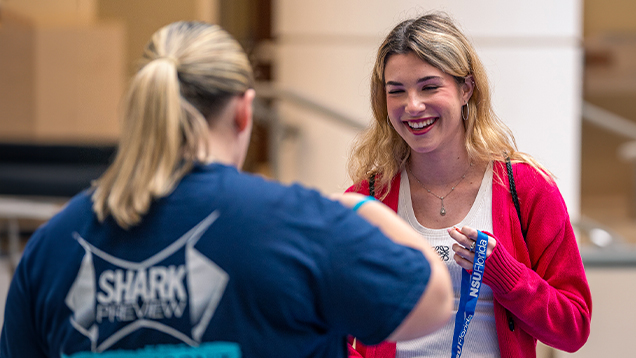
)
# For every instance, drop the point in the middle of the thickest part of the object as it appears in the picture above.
(466, 238)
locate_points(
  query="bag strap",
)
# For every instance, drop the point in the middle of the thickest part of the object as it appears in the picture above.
(513, 192)
(515, 200)
(372, 185)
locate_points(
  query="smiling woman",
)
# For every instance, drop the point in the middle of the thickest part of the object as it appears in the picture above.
(438, 156)
(424, 104)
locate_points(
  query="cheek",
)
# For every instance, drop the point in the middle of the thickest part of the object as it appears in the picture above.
(393, 105)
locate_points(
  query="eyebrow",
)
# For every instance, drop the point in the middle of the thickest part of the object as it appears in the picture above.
(423, 79)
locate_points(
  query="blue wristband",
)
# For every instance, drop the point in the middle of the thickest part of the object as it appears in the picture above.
(361, 202)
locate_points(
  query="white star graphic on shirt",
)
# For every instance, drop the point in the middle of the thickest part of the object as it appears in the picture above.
(203, 299)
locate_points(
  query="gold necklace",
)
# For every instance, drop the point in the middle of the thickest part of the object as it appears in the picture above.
(442, 211)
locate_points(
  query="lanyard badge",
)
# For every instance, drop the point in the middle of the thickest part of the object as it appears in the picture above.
(471, 286)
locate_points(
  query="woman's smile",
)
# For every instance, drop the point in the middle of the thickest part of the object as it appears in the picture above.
(420, 126)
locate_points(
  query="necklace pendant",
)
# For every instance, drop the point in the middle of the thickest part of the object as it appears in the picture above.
(442, 212)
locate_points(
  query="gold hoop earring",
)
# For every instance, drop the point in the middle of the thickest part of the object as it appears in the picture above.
(467, 112)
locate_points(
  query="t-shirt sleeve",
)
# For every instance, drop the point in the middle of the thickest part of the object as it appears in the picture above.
(371, 283)
(19, 337)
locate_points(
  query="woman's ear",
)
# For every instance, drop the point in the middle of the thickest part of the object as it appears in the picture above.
(243, 114)
(467, 88)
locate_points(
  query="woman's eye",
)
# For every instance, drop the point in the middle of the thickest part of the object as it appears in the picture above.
(430, 88)
(395, 91)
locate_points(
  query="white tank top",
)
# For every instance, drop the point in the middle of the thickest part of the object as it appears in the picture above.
(481, 338)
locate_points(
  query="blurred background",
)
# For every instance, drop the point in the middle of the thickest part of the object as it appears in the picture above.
(563, 75)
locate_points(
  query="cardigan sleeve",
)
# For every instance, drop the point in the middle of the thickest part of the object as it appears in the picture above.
(541, 282)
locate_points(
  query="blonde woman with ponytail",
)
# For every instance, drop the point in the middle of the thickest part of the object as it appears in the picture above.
(164, 133)
(175, 252)
(437, 155)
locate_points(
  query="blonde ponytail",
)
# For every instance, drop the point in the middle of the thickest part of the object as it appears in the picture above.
(189, 72)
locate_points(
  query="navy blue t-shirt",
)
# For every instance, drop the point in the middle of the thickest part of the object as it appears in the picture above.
(273, 270)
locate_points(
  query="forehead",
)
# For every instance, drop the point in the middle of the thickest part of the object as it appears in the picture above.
(406, 68)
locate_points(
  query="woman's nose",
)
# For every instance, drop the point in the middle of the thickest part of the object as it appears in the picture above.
(415, 104)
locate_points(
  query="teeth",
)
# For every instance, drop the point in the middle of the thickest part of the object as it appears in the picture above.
(420, 125)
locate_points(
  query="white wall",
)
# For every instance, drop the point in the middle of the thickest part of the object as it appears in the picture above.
(612, 317)
(531, 51)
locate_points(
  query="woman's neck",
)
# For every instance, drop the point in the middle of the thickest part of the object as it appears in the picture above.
(439, 169)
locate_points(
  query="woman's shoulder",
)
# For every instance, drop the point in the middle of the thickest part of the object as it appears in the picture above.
(364, 186)
(361, 187)
(533, 177)
(525, 173)
(530, 182)
(78, 209)
(51, 239)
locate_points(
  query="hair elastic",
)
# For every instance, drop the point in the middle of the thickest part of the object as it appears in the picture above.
(169, 58)
(362, 202)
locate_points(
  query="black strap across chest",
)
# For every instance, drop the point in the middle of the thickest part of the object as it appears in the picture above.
(513, 192)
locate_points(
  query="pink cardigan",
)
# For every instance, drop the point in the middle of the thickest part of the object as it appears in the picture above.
(540, 289)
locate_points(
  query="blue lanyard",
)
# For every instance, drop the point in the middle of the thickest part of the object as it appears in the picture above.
(471, 285)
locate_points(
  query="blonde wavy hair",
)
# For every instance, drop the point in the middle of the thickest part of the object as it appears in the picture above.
(189, 71)
(380, 151)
